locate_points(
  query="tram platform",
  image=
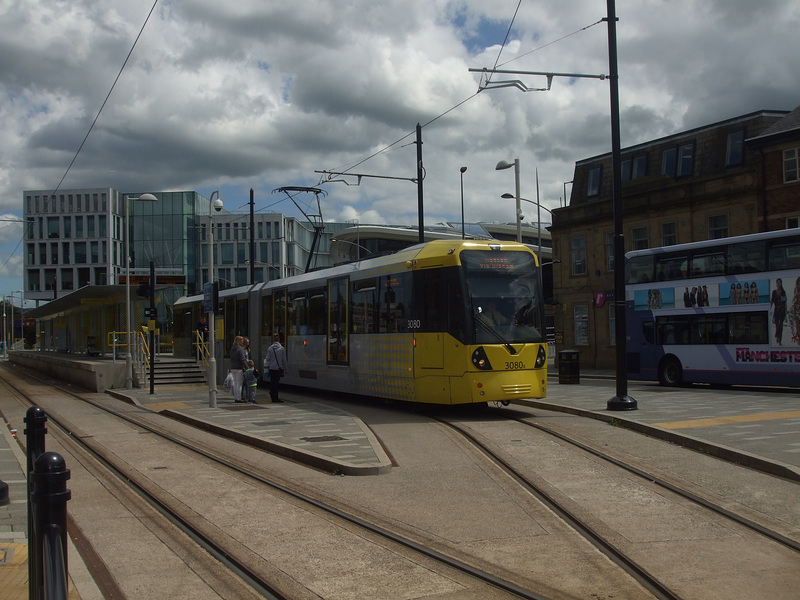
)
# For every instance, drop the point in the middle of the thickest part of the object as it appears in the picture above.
(298, 428)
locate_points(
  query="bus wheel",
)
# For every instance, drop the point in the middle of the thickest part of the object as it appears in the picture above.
(670, 372)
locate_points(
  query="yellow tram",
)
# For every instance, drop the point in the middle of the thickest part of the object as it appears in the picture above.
(441, 322)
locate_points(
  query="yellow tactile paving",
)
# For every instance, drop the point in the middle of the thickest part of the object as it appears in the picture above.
(13, 571)
(729, 420)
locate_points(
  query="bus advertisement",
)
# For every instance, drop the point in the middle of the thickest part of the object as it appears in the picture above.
(723, 311)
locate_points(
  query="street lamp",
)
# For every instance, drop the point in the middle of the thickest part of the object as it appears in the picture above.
(507, 165)
(213, 205)
(128, 357)
(539, 208)
(463, 170)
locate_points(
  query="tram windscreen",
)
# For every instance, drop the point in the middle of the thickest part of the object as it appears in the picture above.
(503, 289)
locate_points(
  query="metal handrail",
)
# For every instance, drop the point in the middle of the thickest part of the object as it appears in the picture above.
(202, 347)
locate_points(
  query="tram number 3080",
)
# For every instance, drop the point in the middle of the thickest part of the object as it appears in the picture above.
(515, 365)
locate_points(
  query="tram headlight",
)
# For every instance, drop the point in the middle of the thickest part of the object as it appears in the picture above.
(541, 357)
(480, 360)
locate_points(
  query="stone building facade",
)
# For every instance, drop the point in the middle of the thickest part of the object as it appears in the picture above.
(706, 183)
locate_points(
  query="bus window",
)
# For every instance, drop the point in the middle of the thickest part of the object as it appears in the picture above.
(639, 269)
(710, 329)
(784, 254)
(674, 330)
(746, 258)
(708, 263)
(750, 328)
(671, 266)
(647, 332)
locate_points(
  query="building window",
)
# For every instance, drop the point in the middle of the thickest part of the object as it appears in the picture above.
(791, 165)
(734, 151)
(593, 187)
(639, 239)
(686, 160)
(226, 253)
(634, 168)
(717, 227)
(639, 167)
(578, 256)
(581, 324)
(669, 235)
(609, 252)
(668, 162)
(52, 227)
(626, 169)
(792, 222)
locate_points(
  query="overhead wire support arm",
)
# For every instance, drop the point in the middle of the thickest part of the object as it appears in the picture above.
(521, 86)
(332, 174)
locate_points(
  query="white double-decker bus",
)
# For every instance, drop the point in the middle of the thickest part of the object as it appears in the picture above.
(723, 311)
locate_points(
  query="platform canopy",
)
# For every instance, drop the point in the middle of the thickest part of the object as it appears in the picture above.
(87, 296)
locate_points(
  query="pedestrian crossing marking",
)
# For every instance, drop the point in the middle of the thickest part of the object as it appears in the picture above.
(794, 414)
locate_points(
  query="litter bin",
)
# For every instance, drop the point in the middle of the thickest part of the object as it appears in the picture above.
(569, 366)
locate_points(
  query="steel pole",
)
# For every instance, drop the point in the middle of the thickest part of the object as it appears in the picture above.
(128, 358)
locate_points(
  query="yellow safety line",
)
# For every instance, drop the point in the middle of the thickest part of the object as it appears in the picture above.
(728, 420)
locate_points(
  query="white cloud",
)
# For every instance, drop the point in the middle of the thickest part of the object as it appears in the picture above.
(262, 94)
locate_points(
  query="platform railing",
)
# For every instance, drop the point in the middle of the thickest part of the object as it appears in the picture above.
(47, 513)
(203, 352)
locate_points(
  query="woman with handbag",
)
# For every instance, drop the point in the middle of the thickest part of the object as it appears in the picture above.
(238, 365)
(275, 363)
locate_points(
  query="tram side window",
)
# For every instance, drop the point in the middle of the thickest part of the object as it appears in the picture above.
(279, 314)
(297, 314)
(242, 325)
(746, 258)
(429, 301)
(266, 316)
(337, 321)
(395, 302)
(785, 255)
(316, 312)
(365, 307)
(750, 328)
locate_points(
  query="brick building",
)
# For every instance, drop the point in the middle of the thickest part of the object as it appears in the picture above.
(711, 182)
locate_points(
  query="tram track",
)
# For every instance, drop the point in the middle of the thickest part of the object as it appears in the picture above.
(598, 536)
(651, 476)
(70, 435)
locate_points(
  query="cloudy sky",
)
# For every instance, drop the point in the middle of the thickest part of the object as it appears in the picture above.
(263, 93)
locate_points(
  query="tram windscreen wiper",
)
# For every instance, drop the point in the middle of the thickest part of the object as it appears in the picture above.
(479, 320)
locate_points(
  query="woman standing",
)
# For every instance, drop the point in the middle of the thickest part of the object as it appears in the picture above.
(238, 365)
(275, 363)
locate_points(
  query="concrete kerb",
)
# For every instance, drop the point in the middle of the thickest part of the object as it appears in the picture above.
(725, 453)
(303, 456)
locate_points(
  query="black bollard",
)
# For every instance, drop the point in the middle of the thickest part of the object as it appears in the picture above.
(49, 500)
(35, 430)
(3, 493)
